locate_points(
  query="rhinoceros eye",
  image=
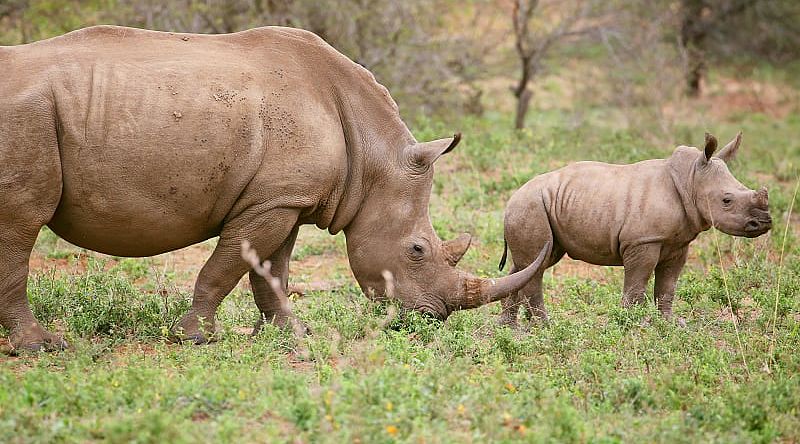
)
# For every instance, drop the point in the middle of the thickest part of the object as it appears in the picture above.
(417, 249)
(726, 201)
(416, 252)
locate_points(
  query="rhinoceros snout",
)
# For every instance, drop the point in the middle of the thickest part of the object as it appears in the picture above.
(758, 226)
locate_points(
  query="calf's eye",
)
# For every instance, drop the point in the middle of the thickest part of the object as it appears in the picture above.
(418, 248)
(726, 201)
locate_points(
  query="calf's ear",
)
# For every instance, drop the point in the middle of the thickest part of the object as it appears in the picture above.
(423, 154)
(711, 146)
(729, 151)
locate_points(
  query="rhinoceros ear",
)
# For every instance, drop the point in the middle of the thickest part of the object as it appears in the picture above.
(711, 146)
(425, 153)
(729, 151)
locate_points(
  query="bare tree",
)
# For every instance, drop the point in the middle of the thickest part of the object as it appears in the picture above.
(431, 54)
(644, 68)
(699, 19)
(538, 27)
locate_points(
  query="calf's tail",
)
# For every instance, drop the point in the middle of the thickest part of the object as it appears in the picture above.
(505, 255)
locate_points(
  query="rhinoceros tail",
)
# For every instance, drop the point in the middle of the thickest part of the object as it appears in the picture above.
(505, 256)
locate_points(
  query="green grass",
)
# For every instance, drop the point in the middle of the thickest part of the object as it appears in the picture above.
(595, 373)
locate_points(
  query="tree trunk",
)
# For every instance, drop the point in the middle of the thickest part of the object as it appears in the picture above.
(693, 34)
(522, 93)
(695, 71)
(523, 100)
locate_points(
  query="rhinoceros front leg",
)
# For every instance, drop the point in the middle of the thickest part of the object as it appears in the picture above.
(266, 232)
(268, 303)
(639, 262)
(15, 313)
(667, 274)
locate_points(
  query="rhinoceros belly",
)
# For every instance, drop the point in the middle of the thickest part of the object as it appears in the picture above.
(586, 212)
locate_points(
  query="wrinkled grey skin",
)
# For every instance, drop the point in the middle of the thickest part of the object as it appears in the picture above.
(135, 143)
(641, 216)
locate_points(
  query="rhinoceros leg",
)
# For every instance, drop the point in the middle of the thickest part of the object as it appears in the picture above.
(667, 274)
(266, 232)
(535, 299)
(15, 313)
(530, 297)
(508, 316)
(639, 262)
(527, 231)
(30, 189)
(268, 303)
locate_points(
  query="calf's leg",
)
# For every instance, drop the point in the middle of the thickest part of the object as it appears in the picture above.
(510, 307)
(527, 231)
(667, 274)
(639, 262)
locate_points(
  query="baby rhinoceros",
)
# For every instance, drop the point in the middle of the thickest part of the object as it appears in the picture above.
(641, 216)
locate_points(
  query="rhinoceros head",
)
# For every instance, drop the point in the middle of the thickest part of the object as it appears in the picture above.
(394, 251)
(722, 200)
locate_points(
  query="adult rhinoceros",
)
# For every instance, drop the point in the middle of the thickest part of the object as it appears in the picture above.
(134, 143)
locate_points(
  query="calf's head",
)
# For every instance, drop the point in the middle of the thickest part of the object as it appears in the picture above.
(721, 199)
(392, 233)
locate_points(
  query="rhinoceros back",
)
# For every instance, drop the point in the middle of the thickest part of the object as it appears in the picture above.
(160, 133)
(596, 207)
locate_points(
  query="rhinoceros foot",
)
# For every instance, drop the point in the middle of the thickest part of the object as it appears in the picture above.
(195, 329)
(34, 338)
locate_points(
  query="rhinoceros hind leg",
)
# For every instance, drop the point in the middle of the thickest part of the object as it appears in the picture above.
(15, 313)
(266, 232)
(30, 190)
(527, 231)
(508, 316)
(639, 262)
(269, 304)
(534, 305)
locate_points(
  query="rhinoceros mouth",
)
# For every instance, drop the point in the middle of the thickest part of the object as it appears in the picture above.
(757, 227)
(431, 307)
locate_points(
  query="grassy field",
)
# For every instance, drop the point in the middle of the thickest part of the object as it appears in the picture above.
(595, 373)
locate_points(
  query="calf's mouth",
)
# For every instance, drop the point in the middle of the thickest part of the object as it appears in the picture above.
(757, 227)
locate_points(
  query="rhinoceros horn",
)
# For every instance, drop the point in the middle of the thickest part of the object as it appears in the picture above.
(477, 291)
(762, 197)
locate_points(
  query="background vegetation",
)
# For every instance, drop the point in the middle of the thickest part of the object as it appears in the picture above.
(612, 81)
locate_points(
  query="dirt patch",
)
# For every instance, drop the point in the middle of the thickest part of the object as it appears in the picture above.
(185, 263)
(729, 96)
(319, 273)
(299, 362)
(574, 268)
(71, 265)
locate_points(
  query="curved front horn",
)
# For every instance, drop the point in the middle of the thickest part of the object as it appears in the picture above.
(476, 291)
